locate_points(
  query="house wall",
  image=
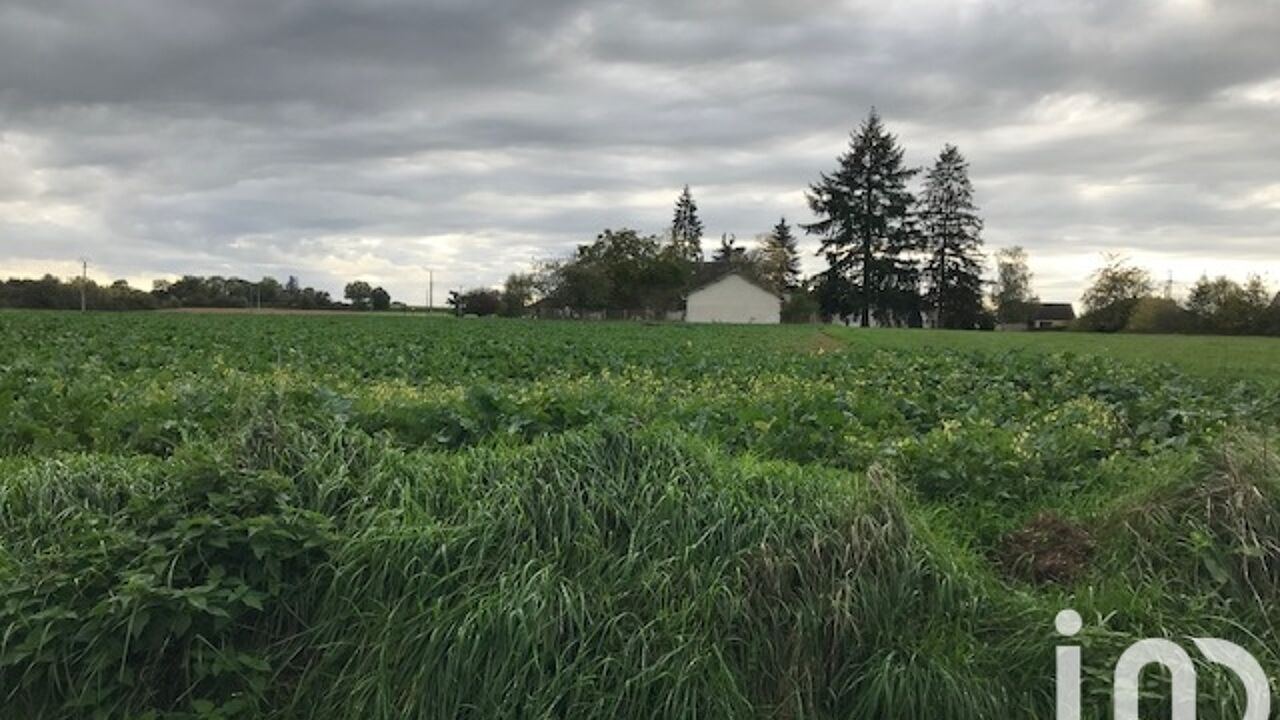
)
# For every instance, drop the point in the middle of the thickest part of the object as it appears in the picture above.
(1052, 324)
(733, 300)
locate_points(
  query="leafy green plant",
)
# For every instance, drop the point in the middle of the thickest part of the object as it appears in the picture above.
(222, 517)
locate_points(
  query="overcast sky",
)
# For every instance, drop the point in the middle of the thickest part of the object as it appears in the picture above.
(336, 139)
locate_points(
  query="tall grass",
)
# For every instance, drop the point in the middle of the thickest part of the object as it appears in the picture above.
(598, 574)
(547, 521)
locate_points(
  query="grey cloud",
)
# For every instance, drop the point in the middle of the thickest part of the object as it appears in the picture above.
(328, 138)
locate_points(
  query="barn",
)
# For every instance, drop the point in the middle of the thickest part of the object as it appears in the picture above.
(1052, 316)
(733, 298)
(1044, 316)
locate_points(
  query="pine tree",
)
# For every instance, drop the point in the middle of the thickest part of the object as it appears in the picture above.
(867, 226)
(729, 254)
(952, 235)
(686, 228)
(780, 257)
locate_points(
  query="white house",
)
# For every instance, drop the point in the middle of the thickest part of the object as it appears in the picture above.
(732, 298)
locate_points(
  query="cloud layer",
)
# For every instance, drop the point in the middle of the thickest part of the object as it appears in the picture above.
(335, 139)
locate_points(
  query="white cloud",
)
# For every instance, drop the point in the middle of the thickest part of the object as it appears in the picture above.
(1265, 93)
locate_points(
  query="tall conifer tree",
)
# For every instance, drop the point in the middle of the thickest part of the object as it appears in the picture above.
(866, 222)
(780, 257)
(952, 233)
(686, 228)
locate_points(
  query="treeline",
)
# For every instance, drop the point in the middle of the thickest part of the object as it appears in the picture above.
(894, 257)
(194, 291)
(1122, 298)
(232, 292)
(626, 274)
(897, 255)
(51, 293)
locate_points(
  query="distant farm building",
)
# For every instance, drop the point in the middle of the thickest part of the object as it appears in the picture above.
(1052, 316)
(1044, 316)
(732, 298)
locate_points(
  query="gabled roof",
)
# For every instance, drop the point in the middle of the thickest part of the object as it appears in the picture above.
(716, 276)
(1053, 311)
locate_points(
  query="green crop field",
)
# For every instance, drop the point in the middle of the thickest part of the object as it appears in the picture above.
(238, 516)
(1237, 358)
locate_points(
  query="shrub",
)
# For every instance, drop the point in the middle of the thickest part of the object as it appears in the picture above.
(148, 587)
(1159, 315)
(1109, 318)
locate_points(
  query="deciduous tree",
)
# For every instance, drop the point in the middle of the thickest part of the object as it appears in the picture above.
(1116, 281)
(359, 293)
(1011, 293)
(517, 293)
(1224, 306)
(1114, 293)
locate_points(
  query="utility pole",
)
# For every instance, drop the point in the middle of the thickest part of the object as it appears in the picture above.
(431, 289)
(1168, 287)
(84, 280)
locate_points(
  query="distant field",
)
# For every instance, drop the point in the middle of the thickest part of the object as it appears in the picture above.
(417, 312)
(1233, 357)
(241, 515)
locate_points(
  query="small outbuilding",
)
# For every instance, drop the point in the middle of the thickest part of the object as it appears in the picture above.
(1043, 316)
(1052, 316)
(733, 298)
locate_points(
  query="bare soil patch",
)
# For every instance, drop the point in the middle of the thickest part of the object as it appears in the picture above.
(1048, 549)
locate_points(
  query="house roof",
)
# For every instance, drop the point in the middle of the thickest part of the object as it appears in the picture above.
(1054, 311)
(715, 276)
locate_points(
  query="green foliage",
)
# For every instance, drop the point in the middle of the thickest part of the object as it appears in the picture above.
(952, 237)
(1116, 290)
(1159, 315)
(517, 293)
(1230, 360)
(1011, 293)
(1113, 317)
(383, 517)
(480, 302)
(359, 294)
(801, 306)
(1225, 307)
(622, 271)
(686, 229)
(51, 293)
(141, 586)
(779, 258)
(867, 227)
(234, 292)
